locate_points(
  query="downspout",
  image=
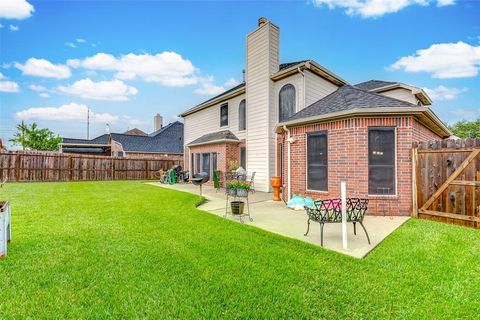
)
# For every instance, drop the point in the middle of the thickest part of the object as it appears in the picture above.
(289, 188)
(303, 93)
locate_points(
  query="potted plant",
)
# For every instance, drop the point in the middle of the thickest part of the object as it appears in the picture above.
(242, 189)
(232, 189)
(233, 165)
(237, 207)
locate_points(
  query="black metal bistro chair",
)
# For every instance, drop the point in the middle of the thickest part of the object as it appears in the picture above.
(330, 211)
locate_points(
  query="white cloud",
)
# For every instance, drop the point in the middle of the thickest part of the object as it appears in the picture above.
(441, 93)
(70, 44)
(463, 114)
(103, 90)
(444, 60)
(208, 87)
(43, 68)
(443, 3)
(15, 9)
(13, 27)
(1, 26)
(9, 87)
(135, 122)
(375, 8)
(80, 40)
(167, 68)
(44, 95)
(66, 112)
(232, 82)
(37, 88)
(2, 76)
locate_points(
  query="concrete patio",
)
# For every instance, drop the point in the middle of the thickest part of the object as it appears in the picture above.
(276, 217)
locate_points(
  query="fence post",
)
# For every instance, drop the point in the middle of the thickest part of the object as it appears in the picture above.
(414, 182)
(70, 168)
(113, 168)
(17, 168)
(146, 169)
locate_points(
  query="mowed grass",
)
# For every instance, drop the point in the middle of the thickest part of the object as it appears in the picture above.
(131, 250)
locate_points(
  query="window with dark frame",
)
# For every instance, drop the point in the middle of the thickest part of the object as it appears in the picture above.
(214, 161)
(206, 163)
(317, 161)
(242, 116)
(197, 166)
(381, 161)
(286, 102)
(243, 158)
(224, 115)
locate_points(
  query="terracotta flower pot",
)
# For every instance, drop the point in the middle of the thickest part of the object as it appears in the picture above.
(276, 184)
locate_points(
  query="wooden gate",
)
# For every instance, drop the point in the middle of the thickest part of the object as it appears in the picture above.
(446, 181)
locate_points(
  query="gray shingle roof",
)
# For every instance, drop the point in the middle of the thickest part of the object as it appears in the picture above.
(169, 140)
(346, 98)
(103, 139)
(374, 84)
(215, 136)
(287, 65)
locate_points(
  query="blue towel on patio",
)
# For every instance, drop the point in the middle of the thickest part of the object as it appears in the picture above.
(298, 202)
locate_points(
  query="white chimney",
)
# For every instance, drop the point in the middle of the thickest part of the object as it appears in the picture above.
(157, 122)
(262, 62)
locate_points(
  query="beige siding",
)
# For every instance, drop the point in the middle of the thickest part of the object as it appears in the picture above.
(297, 81)
(401, 94)
(262, 62)
(317, 88)
(208, 120)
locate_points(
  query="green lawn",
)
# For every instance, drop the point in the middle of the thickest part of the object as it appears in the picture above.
(130, 250)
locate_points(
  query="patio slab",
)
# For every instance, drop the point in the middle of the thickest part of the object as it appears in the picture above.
(275, 217)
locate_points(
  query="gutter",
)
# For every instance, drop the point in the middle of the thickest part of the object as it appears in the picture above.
(212, 142)
(289, 141)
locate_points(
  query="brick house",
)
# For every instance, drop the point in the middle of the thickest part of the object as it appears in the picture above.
(304, 123)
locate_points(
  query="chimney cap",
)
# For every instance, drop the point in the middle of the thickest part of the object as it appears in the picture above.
(262, 21)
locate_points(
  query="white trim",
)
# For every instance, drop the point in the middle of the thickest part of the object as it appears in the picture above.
(213, 142)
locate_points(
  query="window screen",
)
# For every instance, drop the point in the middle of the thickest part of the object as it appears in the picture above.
(242, 116)
(317, 161)
(243, 158)
(206, 163)
(381, 161)
(286, 102)
(224, 115)
(197, 166)
(214, 161)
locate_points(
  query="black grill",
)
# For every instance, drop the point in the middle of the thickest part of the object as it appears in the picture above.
(199, 179)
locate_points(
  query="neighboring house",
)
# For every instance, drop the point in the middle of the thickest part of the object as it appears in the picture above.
(306, 124)
(165, 143)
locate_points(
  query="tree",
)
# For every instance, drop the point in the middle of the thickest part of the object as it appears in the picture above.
(33, 138)
(466, 129)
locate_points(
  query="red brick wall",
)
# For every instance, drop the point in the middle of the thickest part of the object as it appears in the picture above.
(348, 160)
(226, 154)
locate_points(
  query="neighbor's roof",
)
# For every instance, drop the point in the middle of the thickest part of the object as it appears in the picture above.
(103, 139)
(168, 140)
(374, 84)
(215, 137)
(135, 132)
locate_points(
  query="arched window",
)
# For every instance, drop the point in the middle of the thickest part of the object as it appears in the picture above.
(242, 116)
(286, 102)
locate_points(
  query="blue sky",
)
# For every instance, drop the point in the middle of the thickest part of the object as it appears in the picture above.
(126, 61)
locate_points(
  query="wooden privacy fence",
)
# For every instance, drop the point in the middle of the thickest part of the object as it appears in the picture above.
(446, 181)
(50, 166)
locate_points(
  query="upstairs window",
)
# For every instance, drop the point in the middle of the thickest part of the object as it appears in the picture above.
(224, 115)
(286, 102)
(242, 116)
(381, 161)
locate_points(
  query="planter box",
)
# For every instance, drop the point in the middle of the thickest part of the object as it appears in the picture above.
(5, 230)
(242, 193)
(232, 192)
